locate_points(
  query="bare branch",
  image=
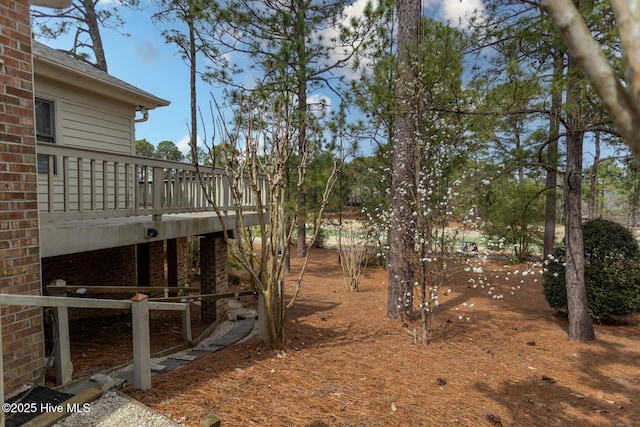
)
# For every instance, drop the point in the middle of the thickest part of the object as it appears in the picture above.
(618, 102)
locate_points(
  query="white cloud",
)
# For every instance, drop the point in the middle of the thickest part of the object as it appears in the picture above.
(185, 148)
(456, 12)
(330, 33)
(317, 102)
(319, 105)
(183, 144)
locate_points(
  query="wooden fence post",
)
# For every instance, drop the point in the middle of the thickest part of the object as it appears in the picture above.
(141, 342)
(186, 322)
(64, 368)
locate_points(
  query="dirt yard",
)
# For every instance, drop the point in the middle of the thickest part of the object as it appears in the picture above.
(499, 356)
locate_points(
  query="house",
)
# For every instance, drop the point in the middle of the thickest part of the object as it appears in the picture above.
(76, 203)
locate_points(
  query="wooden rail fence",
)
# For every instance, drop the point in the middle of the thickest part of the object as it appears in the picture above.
(139, 305)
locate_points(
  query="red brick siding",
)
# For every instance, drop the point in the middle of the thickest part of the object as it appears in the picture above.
(156, 256)
(22, 334)
(182, 244)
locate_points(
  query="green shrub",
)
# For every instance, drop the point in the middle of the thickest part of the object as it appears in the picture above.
(612, 271)
(321, 238)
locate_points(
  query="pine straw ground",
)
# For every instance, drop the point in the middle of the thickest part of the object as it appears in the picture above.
(346, 364)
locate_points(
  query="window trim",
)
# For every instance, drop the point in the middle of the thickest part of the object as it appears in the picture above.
(50, 139)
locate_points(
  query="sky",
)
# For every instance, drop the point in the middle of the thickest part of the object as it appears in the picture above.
(147, 62)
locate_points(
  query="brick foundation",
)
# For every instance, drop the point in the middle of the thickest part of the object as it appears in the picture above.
(150, 264)
(117, 266)
(177, 261)
(213, 276)
(106, 267)
(156, 252)
(22, 334)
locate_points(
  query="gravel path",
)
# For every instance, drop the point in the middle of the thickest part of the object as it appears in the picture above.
(113, 409)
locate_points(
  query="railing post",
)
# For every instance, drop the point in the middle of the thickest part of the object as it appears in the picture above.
(141, 342)
(186, 322)
(226, 194)
(157, 188)
(64, 368)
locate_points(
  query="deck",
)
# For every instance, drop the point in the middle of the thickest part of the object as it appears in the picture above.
(91, 200)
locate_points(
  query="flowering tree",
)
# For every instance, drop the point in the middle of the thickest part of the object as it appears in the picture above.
(428, 168)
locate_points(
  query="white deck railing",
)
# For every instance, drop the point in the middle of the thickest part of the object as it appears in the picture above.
(84, 184)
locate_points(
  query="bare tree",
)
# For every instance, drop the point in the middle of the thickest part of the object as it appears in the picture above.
(353, 247)
(257, 156)
(296, 47)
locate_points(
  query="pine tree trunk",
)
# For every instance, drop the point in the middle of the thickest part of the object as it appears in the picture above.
(402, 228)
(580, 323)
(192, 89)
(551, 198)
(593, 180)
(94, 32)
(301, 197)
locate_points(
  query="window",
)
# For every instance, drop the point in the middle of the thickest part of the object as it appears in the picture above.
(45, 132)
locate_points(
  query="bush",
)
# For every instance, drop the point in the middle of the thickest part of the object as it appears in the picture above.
(612, 273)
(321, 238)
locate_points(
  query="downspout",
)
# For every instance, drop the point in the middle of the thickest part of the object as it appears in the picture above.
(144, 112)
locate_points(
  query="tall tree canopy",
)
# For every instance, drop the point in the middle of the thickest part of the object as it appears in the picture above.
(290, 50)
(84, 18)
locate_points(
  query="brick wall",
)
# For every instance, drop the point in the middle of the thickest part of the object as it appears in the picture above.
(156, 255)
(114, 266)
(22, 334)
(213, 276)
(150, 264)
(182, 260)
(177, 261)
(222, 276)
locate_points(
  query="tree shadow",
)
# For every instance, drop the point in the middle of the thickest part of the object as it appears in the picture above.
(541, 400)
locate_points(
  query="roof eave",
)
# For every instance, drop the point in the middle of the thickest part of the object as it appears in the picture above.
(53, 4)
(61, 72)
